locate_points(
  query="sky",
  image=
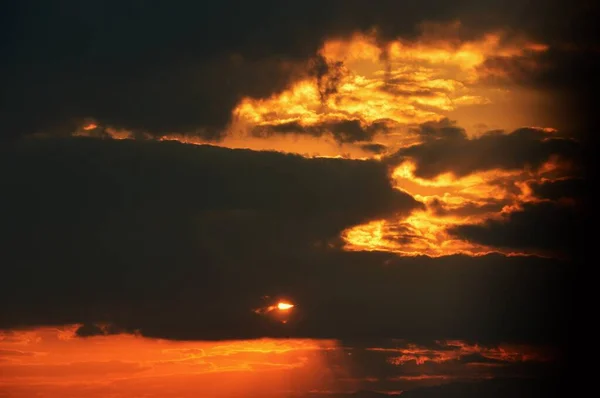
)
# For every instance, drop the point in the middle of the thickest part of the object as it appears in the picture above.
(295, 199)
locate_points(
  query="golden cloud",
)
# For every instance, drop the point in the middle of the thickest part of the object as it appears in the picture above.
(363, 98)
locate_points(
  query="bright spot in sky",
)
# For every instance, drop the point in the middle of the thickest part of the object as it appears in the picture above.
(283, 306)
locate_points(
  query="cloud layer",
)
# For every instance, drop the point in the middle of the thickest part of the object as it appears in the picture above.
(53, 361)
(184, 242)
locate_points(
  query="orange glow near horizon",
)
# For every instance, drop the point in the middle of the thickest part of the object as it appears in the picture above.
(53, 362)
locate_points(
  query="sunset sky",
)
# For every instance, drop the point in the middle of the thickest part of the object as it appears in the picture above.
(293, 199)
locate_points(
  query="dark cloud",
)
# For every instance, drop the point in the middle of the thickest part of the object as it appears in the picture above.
(328, 75)
(343, 131)
(375, 148)
(564, 188)
(183, 242)
(547, 226)
(446, 148)
(92, 329)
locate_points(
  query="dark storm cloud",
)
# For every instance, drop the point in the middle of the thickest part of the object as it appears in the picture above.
(183, 242)
(181, 66)
(564, 188)
(343, 131)
(446, 148)
(104, 179)
(547, 226)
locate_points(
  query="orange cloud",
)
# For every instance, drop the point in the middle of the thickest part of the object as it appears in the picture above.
(359, 78)
(451, 200)
(50, 359)
(424, 231)
(403, 81)
(362, 99)
(54, 362)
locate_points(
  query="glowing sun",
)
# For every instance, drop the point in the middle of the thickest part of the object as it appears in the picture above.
(283, 306)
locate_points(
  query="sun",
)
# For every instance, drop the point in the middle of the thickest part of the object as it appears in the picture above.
(284, 306)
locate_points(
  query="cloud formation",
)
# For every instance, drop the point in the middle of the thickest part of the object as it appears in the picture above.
(447, 149)
(178, 68)
(200, 234)
(547, 226)
(344, 131)
(62, 364)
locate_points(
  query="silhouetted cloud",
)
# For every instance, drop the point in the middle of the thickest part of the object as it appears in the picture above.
(375, 148)
(546, 226)
(564, 188)
(343, 131)
(183, 242)
(447, 149)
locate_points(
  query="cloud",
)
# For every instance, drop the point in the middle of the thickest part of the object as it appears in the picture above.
(17, 353)
(447, 149)
(116, 232)
(94, 329)
(563, 74)
(343, 131)
(564, 188)
(79, 369)
(181, 68)
(157, 68)
(374, 148)
(328, 75)
(547, 226)
(126, 364)
(465, 209)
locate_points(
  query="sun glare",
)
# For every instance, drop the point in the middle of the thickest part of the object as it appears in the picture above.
(283, 306)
